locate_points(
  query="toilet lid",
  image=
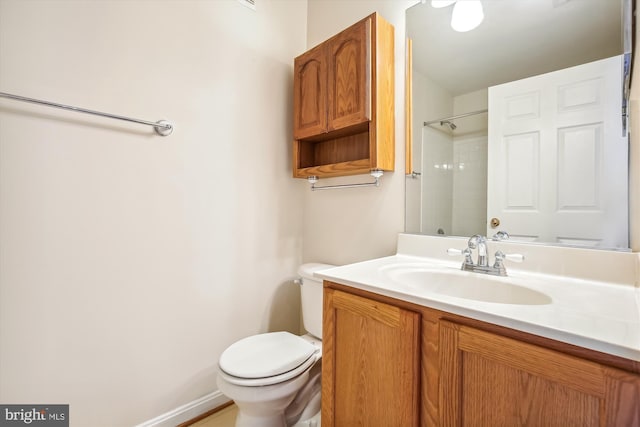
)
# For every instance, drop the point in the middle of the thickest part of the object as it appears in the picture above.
(265, 355)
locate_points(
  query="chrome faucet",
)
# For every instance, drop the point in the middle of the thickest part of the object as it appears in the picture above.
(479, 242)
(482, 266)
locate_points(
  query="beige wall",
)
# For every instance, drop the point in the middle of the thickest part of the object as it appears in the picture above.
(128, 261)
(348, 225)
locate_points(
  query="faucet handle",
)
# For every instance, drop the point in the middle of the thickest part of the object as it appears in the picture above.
(514, 257)
(457, 252)
(501, 256)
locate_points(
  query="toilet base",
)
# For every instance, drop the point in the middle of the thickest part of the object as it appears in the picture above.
(263, 406)
(295, 403)
(314, 421)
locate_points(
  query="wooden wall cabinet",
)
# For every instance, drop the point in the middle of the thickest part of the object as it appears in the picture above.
(344, 103)
(438, 369)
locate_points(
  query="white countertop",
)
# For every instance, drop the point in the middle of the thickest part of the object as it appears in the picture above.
(593, 314)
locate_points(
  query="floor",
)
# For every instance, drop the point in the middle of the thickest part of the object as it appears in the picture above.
(224, 418)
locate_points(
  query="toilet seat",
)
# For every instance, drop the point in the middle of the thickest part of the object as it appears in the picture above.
(267, 359)
(276, 379)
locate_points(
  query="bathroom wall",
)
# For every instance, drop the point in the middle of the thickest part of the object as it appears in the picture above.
(129, 261)
(348, 225)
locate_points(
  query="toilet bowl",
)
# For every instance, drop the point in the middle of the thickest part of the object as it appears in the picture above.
(274, 378)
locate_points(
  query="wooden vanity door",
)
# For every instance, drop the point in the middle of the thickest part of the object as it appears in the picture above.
(370, 360)
(489, 380)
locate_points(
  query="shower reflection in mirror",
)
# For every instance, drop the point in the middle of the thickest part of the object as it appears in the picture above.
(454, 169)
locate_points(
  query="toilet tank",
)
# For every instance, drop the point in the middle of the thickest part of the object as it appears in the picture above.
(311, 295)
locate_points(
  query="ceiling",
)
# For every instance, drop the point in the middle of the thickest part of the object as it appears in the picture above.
(517, 39)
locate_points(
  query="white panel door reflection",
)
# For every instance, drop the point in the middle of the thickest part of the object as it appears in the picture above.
(556, 155)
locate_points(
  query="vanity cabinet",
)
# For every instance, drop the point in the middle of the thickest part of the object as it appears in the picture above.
(491, 380)
(371, 354)
(344, 103)
(439, 369)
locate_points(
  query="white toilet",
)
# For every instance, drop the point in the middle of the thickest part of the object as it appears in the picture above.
(274, 378)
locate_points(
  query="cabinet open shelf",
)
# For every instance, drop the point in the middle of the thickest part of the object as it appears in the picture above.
(345, 155)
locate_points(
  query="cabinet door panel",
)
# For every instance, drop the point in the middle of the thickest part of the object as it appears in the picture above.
(623, 391)
(491, 380)
(310, 94)
(370, 363)
(349, 77)
(534, 401)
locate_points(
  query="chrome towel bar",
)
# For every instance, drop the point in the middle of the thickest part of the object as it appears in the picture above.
(162, 127)
(375, 173)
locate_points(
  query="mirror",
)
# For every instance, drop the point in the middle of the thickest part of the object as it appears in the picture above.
(519, 124)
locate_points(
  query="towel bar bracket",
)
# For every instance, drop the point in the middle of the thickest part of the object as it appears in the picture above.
(163, 128)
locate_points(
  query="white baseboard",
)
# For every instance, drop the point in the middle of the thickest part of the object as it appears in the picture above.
(187, 411)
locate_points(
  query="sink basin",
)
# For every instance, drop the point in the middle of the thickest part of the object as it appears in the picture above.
(460, 284)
